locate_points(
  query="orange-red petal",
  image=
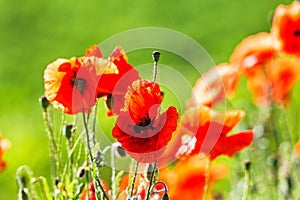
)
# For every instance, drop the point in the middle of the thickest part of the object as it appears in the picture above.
(283, 73)
(4, 146)
(94, 50)
(230, 145)
(187, 179)
(61, 89)
(286, 28)
(297, 148)
(212, 86)
(209, 128)
(253, 51)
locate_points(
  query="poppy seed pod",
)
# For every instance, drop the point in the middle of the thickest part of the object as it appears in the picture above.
(81, 172)
(247, 165)
(166, 197)
(156, 55)
(68, 130)
(118, 150)
(44, 102)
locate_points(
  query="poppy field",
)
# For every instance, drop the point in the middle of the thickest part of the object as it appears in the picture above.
(197, 100)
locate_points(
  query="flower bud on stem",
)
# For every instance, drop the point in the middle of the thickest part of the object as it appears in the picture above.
(247, 165)
(155, 55)
(49, 129)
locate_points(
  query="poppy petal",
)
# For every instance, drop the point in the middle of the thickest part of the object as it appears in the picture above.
(230, 145)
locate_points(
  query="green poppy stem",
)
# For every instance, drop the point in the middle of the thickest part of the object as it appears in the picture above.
(87, 135)
(134, 178)
(98, 183)
(150, 183)
(113, 174)
(247, 180)
(53, 147)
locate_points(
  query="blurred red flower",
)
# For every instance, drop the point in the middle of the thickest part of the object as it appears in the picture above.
(297, 147)
(252, 52)
(187, 179)
(271, 75)
(140, 128)
(4, 146)
(286, 28)
(210, 130)
(283, 73)
(214, 85)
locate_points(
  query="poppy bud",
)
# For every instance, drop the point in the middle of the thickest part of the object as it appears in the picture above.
(109, 101)
(56, 181)
(81, 172)
(247, 165)
(24, 194)
(118, 150)
(273, 161)
(68, 129)
(156, 55)
(166, 197)
(290, 182)
(150, 171)
(44, 102)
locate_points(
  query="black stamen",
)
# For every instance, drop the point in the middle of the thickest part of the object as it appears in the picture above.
(144, 124)
(80, 84)
(297, 33)
(145, 121)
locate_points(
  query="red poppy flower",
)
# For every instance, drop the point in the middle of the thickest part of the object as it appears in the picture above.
(270, 74)
(212, 86)
(209, 129)
(116, 85)
(286, 28)
(252, 52)
(140, 128)
(71, 84)
(187, 179)
(274, 80)
(4, 146)
(282, 73)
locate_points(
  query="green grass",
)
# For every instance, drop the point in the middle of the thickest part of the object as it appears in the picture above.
(36, 32)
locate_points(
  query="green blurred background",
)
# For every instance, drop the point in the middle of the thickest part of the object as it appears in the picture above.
(33, 33)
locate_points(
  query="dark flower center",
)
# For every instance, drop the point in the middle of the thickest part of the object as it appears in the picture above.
(143, 124)
(144, 121)
(80, 83)
(297, 33)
